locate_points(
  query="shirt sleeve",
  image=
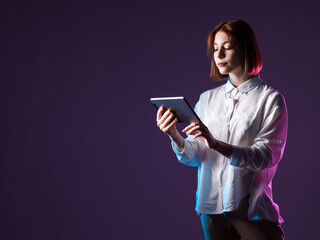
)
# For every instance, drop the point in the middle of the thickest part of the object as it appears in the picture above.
(190, 154)
(192, 147)
(269, 143)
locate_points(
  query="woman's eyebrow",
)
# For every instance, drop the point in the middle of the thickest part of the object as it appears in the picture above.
(222, 43)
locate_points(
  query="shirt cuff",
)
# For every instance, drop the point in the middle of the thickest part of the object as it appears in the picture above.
(236, 156)
(176, 151)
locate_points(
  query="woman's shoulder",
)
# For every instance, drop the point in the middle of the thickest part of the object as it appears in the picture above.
(207, 96)
(265, 88)
(213, 91)
(271, 95)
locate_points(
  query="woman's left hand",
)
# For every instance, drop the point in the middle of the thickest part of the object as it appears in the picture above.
(199, 130)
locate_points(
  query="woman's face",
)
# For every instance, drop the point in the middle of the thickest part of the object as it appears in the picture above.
(227, 59)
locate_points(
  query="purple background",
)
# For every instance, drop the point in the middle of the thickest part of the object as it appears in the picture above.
(81, 155)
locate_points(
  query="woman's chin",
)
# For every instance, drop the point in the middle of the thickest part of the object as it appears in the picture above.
(223, 72)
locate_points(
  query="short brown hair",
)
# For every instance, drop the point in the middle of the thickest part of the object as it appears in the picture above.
(242, 39)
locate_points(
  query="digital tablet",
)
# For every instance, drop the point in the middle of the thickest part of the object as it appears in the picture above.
(180, 107)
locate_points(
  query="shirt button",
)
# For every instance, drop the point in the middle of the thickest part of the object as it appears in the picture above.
(228, 125)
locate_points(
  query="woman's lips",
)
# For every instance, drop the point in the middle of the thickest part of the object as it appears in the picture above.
(221, 64)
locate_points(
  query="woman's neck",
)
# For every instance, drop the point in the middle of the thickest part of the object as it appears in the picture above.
(237, 80)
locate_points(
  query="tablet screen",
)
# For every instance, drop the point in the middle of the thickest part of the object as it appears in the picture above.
(180, 107)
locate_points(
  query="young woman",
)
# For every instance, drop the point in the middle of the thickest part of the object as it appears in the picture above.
(238, 143)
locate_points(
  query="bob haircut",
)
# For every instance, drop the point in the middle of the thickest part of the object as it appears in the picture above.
(243, 40)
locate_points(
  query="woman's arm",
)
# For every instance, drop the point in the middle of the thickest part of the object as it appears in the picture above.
(187, 151)
(166, 122)
(267, 148)
(199, 130)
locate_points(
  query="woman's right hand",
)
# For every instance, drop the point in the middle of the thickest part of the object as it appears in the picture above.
(166, 121)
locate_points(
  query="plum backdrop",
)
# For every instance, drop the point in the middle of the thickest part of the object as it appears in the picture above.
(81, 155)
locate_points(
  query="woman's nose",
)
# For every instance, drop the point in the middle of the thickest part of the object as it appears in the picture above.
(221, 53)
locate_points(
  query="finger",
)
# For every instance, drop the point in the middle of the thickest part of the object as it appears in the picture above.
(200, 127)
(167, 121)
(170, 125)
(188, 127)
(159, 113)
(193, 130)
(164, 117)
(197, 135)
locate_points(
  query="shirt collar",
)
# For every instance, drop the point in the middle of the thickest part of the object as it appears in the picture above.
(244, 87)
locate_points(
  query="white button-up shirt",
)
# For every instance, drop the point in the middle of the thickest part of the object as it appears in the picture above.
(253, 119)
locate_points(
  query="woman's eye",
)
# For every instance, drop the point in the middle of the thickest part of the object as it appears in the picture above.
(216, 49)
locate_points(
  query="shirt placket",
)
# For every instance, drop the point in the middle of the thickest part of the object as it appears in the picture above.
(231, 102)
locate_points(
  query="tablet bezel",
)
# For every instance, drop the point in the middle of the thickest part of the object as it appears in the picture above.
(180, 107)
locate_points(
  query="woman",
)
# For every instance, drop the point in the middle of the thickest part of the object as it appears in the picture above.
(239, 142)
